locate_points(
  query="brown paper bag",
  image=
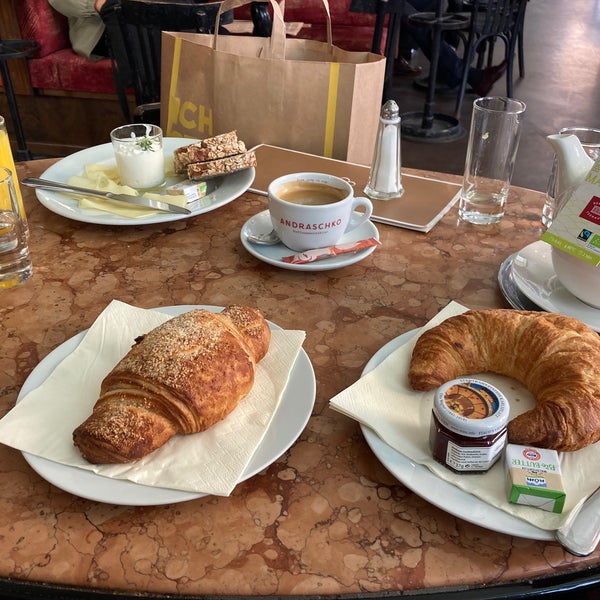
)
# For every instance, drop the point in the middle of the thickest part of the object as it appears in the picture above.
(299, 94)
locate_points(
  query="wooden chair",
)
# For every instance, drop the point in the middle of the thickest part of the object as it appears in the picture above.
(133, 34)
(9, 50)
(392, 10)
(493, 20)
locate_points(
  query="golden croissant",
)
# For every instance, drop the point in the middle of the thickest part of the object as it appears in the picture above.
(556, 357)
(182, 377)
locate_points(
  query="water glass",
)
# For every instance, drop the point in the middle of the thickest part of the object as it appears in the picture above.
(590, 140)
(491, 152)
(15, 264)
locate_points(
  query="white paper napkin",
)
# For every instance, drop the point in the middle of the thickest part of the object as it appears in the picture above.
(384, 401)
(210, 462)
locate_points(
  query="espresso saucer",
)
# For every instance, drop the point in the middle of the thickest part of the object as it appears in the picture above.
(273, 255)
(534, 275)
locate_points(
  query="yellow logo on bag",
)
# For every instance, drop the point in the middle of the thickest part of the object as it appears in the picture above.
(187, 118)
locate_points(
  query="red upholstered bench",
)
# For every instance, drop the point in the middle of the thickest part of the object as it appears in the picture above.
(57, 67)
(351, 30)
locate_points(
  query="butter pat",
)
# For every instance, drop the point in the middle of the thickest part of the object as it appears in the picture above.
(534, 478)
(192, 190)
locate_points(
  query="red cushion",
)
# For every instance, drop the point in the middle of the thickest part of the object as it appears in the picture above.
(355, 39)
(40, 22)
(65, 70)
(351, 31)
(313, 11)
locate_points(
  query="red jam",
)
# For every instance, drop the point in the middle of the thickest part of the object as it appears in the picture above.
(468, 425)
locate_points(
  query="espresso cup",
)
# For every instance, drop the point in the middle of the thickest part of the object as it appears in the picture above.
(314, 210)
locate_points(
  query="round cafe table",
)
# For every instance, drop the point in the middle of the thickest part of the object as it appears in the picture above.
(326, 519)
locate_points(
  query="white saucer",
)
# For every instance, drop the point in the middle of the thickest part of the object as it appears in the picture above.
(534, 274)
(261, 223)
(514, 296)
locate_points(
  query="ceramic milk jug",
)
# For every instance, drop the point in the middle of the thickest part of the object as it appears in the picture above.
(577, 276)
(573, 163)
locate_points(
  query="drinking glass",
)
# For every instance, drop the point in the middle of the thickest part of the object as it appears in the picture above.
(491, 152)
(590, 140)
(15, 264)
(139, 154)
(7, 160)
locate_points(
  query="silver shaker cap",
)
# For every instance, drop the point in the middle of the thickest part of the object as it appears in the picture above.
(390, 110)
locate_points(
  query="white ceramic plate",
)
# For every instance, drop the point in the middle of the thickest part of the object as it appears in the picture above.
(221, 190)
(438, 492)
(534, 274)
(261, 223)
(288, 422)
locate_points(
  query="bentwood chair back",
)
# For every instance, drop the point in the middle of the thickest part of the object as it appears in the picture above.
(493, 20)
(133, 33)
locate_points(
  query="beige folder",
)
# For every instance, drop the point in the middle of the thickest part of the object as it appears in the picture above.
(424, 201)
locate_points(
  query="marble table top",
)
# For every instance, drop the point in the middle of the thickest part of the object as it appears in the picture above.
(326, 518)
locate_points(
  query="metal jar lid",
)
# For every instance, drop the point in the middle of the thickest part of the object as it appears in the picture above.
(471, 407)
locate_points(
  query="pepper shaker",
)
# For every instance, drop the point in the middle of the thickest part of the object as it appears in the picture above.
(385, 180)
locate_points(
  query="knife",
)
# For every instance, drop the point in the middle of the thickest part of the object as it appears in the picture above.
(581, 532)
(139, 200)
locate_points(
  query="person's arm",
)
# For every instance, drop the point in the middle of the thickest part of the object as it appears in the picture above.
(77, 8)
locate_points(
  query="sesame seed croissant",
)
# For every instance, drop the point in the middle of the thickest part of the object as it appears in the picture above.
(556, 357)
(182, 377)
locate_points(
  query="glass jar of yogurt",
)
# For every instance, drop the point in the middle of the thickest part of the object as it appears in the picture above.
(139, 154)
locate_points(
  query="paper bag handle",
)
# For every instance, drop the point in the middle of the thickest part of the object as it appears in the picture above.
(327, 14)
(278, 33)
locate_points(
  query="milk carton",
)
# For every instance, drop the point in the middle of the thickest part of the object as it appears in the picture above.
(576, 228)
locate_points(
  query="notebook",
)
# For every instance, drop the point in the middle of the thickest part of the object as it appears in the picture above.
(424, 202)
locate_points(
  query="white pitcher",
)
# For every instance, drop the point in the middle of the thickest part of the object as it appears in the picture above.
(577, 276)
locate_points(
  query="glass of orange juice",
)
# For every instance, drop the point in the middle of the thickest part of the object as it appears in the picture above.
(7, 160)
(15, 264)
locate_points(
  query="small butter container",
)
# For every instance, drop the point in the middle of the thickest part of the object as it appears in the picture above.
(192, 190)
(534, 477)
(468, 425)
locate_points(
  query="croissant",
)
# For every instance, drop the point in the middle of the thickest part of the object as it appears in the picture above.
(556, 357)
(182, 377)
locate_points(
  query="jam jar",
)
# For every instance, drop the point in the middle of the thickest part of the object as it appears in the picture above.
(468, 425)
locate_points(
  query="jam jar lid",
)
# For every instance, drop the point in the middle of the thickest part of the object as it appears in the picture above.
(471, 407)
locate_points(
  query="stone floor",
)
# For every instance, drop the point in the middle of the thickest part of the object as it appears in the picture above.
(561, 88)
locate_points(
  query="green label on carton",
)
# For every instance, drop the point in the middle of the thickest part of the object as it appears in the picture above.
(576, 228)
(534, 478)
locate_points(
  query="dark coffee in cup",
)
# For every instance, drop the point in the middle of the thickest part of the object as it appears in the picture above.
(310, 193)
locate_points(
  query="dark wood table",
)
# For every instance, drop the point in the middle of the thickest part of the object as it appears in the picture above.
(324, 520)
